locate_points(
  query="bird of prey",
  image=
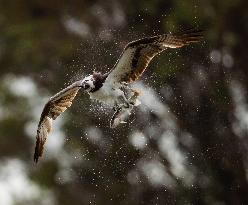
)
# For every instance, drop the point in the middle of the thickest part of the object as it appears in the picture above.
(113, 87)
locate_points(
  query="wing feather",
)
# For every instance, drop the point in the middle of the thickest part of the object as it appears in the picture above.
(53, 108)
(138, 54)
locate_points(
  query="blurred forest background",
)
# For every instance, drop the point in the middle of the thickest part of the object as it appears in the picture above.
(187, 143)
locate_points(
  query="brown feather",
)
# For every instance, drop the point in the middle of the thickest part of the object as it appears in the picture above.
(42, 133)
(157, 45)
(138, 54)
(53, 108)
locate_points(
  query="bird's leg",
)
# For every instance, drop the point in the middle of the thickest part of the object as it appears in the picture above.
(119, 104)
(123, 100)
(124, 104)
(116, 107)
(129, 96)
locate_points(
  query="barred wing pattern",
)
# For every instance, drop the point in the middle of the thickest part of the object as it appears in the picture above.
(53, 108)
(138, 54)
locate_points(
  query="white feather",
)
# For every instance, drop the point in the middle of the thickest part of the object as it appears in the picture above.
(107, 94)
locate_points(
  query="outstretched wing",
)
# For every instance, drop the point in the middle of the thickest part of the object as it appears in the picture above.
(138, 54)
(53, 108)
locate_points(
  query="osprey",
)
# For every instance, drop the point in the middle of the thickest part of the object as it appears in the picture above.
(112, 88)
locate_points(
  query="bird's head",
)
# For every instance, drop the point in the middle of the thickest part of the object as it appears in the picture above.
(88, 83)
